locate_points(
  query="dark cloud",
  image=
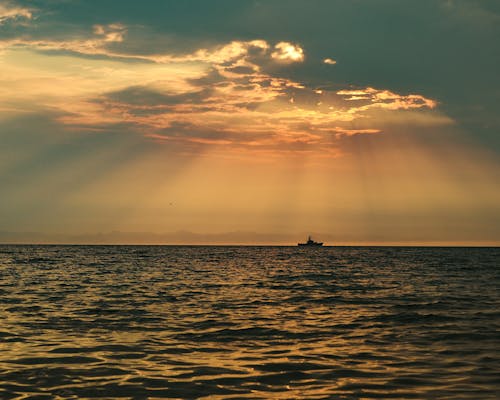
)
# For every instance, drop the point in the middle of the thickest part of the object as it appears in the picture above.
(444, 50)
(144, 96)
(240, 70)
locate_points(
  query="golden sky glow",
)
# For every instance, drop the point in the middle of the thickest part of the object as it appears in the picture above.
(222, 96)
(226, 135)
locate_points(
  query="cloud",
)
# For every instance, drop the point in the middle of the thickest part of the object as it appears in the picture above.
(288, 52)
(372, 97)
(12, 12)
(111, 32)
(232, 95)
(95, 44)
(253, 110)
(439, 30)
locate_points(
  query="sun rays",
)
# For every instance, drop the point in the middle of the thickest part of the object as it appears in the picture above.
(109, 125)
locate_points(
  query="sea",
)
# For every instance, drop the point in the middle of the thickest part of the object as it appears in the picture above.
(249, 322)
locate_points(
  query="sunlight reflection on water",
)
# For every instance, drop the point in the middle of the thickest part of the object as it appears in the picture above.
(138, 322)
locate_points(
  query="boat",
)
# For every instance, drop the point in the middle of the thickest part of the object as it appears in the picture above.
(311, 242)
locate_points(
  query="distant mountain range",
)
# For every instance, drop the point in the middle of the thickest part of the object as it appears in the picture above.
(183, 237)
(178, 237)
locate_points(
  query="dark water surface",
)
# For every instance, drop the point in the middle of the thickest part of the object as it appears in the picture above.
(153, 322)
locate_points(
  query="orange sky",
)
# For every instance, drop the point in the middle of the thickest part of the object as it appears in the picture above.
(226, 136)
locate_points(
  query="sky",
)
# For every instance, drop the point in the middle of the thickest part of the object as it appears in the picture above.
(250, 121)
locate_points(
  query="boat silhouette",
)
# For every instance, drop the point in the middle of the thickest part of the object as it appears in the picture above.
(311, 242)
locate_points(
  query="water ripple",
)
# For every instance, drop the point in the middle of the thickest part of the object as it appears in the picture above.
(139, 322)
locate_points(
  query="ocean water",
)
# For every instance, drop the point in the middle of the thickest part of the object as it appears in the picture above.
(161, 322)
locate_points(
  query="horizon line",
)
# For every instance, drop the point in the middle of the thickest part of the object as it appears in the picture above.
(396, 244)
